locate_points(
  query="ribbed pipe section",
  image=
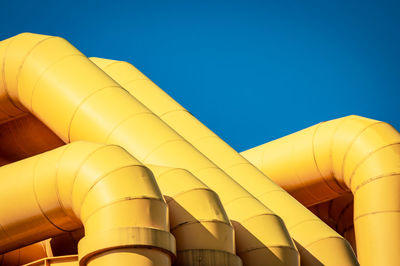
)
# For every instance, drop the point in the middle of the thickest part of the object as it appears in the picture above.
(101, 187)
(95, 108)
(354, 154)
(296, 217)
(204, 235)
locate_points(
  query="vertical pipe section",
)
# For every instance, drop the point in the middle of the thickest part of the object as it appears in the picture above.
(78, 101)
(316, 244)
(100, 186)
(351, 153)
(204, 235)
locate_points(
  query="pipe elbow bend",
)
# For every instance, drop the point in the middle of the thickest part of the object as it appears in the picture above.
(116, 199)
(203, 231)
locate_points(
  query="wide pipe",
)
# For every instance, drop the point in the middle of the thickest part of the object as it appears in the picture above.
(23, 255)
(351, 153)
(101, 187)
(78, 101)
(315, 246)
(204, 235)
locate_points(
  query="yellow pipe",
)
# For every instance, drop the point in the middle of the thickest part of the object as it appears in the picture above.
(204, 235)
(338, 214)
(315, 246)
(350, 153)
(210, 242)
(23, 255)
(8, 109)
(102, 187)
(25, 137)
(78, 101)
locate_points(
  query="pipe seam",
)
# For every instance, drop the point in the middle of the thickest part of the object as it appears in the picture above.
(30, 107)
(198, 221)
(333, 138)
(99, 179)
(278, 246)
(372, 179)
(160, 146)
(373, 213)
(190, 190)
(26, 56)
(123, 199)
(4, 77)
(366, 157)
(356, 137)
(79, 105)
(117, 125)
(318, 168)
(37, 199)
(321, 239)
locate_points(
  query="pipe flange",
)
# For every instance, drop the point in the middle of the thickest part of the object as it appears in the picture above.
(207, 257)
(140, 237)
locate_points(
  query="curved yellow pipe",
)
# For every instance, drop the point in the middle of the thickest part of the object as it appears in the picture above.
(350, 153)
(204, 235)
(102, 187)
(78, 101)
(315, 246)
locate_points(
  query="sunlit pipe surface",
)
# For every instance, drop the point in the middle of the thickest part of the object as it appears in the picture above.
(350, 153)
(315, 246)
(203, 232)
(78, 101)
(100, 186)
(204, 235)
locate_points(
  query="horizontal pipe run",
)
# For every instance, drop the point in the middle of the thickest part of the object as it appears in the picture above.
(96, 108)
(238, 168)
(354, 154)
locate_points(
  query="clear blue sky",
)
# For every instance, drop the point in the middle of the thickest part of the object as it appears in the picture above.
(252, 71)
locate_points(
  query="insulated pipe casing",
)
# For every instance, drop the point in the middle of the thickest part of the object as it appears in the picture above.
(203, 232)
(102, 187)
(94, 107)
(351, 153)
(296, 217)
(23, 255)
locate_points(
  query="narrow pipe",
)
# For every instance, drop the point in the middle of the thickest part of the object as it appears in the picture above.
(351, 153)
(102, 187)
(315, 247)
(204, 235)
(78, 101)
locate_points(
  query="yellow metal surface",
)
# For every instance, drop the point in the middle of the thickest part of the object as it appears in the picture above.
(218, 205)
(348, 154)
(95, 108)
(203, 232)
(100, 186)
(23, 255)
(296, 217)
